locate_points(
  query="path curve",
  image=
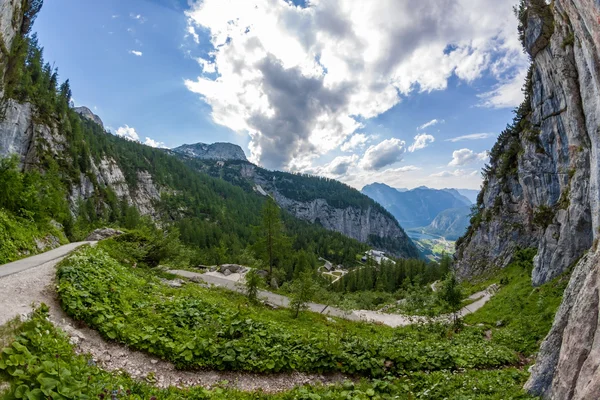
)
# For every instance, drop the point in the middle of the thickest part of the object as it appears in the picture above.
(31, 281)
(393, 320)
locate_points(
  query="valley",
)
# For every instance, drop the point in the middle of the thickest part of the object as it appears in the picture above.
(131, 270)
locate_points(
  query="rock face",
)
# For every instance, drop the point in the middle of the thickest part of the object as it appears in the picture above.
(88, 114)
(568, 361)
(103, 233)
(10, 22)
(550, 199)
(215, 151)
(367, 225)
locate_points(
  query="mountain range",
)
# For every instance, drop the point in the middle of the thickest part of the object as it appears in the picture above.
(436, 212)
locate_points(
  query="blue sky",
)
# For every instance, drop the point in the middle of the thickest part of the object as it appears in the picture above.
(331, 87)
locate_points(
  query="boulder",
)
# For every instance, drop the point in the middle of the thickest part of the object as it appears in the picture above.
(101, 234)
(262, 273)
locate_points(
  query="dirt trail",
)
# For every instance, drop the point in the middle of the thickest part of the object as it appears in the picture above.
(28, 285)
(233, 282)
(36, 284)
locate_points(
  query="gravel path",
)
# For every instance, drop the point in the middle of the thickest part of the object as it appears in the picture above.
(33, 285)
(234, 282)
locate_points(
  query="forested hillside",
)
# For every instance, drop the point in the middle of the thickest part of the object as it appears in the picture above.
(322, 201)
(80, 177)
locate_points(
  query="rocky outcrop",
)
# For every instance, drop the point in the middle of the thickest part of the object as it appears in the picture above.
(550, 200)
(103, 233)
(88, 114)
(549, 197)
(215, 151)
(10, 23)
(365, 224)
(568, 361)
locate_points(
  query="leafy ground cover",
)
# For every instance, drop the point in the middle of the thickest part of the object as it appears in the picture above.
(18, 236)
(40, 363)
(194, 327)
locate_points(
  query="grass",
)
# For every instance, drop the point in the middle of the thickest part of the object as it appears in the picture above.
(196, 327)
(525, 313)
(41, 363)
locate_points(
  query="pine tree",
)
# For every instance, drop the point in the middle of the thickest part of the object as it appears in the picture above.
(302, 291)
(271, 238)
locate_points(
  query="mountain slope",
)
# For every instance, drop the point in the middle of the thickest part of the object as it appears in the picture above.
(541, 190)
(215, 151)
(326, 202)
(417, 207)
(451, 223)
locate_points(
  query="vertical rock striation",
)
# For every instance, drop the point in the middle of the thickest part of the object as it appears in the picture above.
(544, 191)
(549, 198)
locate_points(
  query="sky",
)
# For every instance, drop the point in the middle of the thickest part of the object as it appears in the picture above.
(402, 92)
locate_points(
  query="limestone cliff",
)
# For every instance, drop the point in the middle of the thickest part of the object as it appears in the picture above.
(369, 223)
(215, 151)
(542, 189)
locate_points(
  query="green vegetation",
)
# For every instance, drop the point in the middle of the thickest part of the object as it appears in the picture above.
(305, 188)
(302, 290)
(41, 363)
(29, 203)
(389, 277)
(202, 328)
(525, 313)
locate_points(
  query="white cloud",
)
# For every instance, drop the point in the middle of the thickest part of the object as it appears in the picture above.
(339, 166)
(136, 53)
(386, 153)
(507, 94)
(128, 133)
(421, 141)
(473, 136)
(466, 156)
(193, 34)
(207, 66)
(430, 123)
(457, 173)
(154, 143)
(357, 141)
(300, 81)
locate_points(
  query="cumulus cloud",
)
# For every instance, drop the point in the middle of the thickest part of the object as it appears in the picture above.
(466, 156)
(473, 136)
(193, 34)
(299, 80)
(128, 133)
(507, 94)
(154, 143)
(430, 124)
(421, 141)
(357, 141)
(386, 153)
(136, 53)
(339, 166)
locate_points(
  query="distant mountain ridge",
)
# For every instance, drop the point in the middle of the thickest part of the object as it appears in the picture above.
(321, 201)
(417, 207)
(215, 151)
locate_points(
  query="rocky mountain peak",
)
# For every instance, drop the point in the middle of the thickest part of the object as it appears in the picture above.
(88, 114)
(215, 151)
